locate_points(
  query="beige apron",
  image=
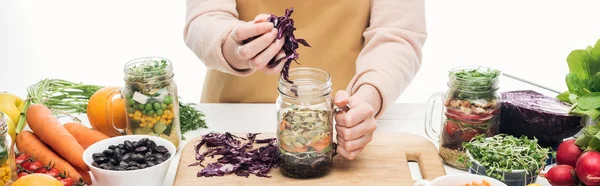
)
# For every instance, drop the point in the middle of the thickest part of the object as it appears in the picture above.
(332, 27)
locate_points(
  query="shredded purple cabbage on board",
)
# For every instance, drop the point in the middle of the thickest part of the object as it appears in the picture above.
(285, 27)
(236, 158)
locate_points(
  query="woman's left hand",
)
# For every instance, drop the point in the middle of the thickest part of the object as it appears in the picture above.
(355, 127)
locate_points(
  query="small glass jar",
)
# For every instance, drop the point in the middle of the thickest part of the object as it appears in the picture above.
(471, 107)
(151, 99)
(305, 123)
(6, 157)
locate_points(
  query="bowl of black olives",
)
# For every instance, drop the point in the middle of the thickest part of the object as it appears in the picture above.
(130, 160)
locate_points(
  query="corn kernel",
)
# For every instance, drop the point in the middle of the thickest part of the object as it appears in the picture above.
(130, 115)
(137, 113)
(163, 121)
(169, 121)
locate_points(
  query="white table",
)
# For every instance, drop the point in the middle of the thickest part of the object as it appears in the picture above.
(243, 118)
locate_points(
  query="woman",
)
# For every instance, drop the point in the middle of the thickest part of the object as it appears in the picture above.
(371, 48)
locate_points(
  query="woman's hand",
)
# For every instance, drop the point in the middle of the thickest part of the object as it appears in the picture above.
(355, 127)
(257, 53)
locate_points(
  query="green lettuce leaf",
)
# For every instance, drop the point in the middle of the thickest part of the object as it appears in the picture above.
(589, 101)
(577, 61)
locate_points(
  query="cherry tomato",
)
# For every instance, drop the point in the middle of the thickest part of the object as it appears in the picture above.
(451, 127)
(42, 170)
(66, 181)
(21, 158)
(26, 165)
(53, 172)
(468, 134)
(36, 165)
(22, 174)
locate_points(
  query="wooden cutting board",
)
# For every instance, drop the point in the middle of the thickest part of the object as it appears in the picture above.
(383, 162)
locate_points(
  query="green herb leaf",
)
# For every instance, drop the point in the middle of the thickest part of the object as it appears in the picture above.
(190, 118)
(594, 143)
(596, 80)
(595, 52)
(577, 61)
(589, 101)
(575, 84)
(564, 97)
(583, 140)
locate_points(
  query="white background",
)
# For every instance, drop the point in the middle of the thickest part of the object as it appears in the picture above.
(89, 41)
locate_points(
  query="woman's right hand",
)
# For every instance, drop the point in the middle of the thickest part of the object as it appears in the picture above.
(257, 53)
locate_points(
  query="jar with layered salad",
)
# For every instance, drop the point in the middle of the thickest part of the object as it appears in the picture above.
(471, 106)
(6, 156)
(150, 95)
(305, 123)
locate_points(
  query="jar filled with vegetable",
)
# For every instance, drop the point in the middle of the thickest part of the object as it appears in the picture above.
(151, 99)
(305, 123)
(471, 106)
(5, 148)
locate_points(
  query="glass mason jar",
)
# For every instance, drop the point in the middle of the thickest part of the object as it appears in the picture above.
(7, 164)
(471, 106)
(305, 123)
(150, 95)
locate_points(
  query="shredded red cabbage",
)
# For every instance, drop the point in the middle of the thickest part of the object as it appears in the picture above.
(236, 158)
(285, 27)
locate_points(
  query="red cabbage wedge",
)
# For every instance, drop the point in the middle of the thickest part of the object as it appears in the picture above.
(532, 114)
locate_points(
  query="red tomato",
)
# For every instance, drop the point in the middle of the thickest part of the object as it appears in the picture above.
(34, 166)
(66, 181)
(53, 172)
(42, 170)
(26, 165)
(468, 134)
(21, 158)
(22, 174)
(451, 127)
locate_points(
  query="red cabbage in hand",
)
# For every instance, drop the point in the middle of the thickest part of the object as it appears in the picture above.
(285, 28)
(236, 158)
(535, 115)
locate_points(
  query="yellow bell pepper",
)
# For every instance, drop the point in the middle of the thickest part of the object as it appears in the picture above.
(11, 105)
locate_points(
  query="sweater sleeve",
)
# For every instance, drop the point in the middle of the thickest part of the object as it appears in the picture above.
(208, 23)
(392, 55)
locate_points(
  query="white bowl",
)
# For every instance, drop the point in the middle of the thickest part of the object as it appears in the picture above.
(149, 176)
(458, 179)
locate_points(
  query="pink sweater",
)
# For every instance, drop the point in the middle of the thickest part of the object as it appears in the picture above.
(390, 59)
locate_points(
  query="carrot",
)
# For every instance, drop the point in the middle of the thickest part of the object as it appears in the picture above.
(85, 136)
(85, 175)
(30, 144)
(53, 133)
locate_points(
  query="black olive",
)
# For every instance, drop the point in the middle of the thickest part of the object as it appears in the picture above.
(121, 146)
(118, 153)
(161, 149)
(159, 161)
(141, 149)
(151, 145)
(138, 157)
(112, 147)
(95, 156)
(108, 152)
(151, 163)
(142, 142)
(126, 157)
(94, 164)
(148, 154)
(113, 161)
(159, 156)
(150, 158)
(101, 160)
(143, 165)
(120, 168)
(167, 155)
(129, 146)
(132, 168)
(133, 164)
(135, 144)
(123, 164)
(105, 166)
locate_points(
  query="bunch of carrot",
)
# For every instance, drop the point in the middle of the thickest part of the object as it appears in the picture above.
(53, 143)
